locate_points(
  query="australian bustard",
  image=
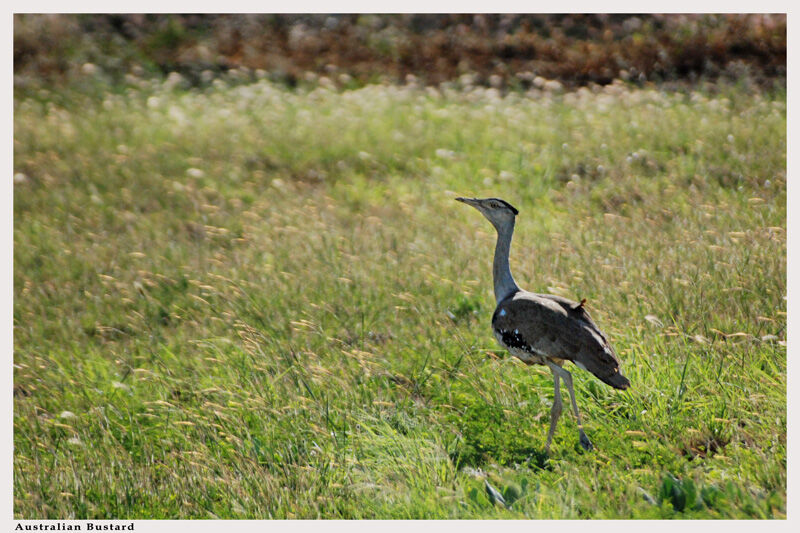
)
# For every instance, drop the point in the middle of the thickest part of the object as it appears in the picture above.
(544, 329)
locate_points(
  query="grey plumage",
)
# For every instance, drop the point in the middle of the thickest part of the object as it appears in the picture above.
(561, 329)
(544, 329)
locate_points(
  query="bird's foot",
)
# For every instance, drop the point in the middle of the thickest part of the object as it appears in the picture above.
(586, 444)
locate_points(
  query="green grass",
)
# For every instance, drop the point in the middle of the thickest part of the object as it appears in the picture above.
(253, 302)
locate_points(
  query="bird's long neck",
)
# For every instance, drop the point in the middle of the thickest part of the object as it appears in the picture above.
(504, 283)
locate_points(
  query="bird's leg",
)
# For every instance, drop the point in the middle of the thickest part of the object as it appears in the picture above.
(555, 411)
(567, 377)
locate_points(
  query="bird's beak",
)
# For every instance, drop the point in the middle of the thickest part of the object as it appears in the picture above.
(469, 201)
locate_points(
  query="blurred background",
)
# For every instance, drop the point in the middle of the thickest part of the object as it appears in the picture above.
(504, 51)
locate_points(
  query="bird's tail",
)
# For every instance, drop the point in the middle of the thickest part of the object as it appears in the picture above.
(618, 381)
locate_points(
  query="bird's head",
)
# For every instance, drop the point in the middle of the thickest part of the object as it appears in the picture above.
(499, 212)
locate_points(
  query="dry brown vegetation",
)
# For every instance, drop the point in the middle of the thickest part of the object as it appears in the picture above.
(499, 50)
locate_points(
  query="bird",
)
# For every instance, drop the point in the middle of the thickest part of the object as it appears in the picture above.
(545, 329)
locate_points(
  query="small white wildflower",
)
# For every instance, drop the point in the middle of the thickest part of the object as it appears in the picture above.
(444, 153)
(553, 86)
(364, 156)
(19, 177)
(173, 80)
(526, 76)
(505, 175)
(195, 172)
(730, 138)
(153, 102)
(89, 69)
(493, 94)
(326, 83)
(176, 114)
(467, 80)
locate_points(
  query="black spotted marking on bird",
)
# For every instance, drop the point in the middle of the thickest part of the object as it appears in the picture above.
(545, 329)
(513, 339)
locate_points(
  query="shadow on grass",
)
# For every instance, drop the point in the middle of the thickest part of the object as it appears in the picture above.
(488, 434)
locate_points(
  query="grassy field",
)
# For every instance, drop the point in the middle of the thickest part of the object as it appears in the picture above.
(246, 301)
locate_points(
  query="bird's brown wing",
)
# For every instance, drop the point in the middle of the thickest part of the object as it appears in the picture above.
(558, 327)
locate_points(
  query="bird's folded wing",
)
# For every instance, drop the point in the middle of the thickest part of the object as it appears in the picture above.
(560, 328)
